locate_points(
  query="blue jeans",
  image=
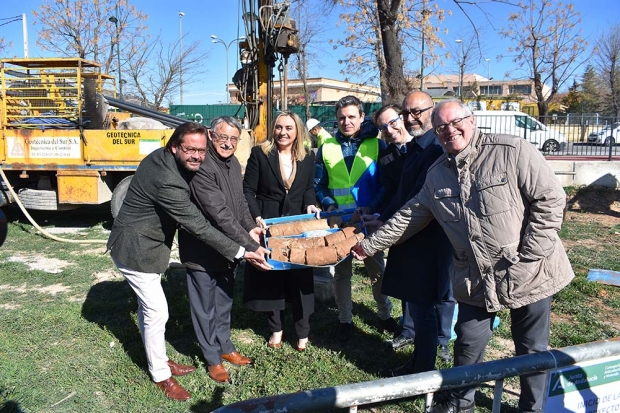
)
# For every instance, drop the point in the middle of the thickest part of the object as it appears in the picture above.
(425, 341)
(444, 313)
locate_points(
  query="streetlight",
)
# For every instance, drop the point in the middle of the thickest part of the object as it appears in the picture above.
(461, 68)
(425, 13)
(216, 39)
(114, 20)
(488, 68)
(181, 14)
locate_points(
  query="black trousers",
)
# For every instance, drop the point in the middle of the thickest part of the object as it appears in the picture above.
(211, 300)
(275, 319)
(530, 334)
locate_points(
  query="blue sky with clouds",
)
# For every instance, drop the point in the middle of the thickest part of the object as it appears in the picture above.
(222, 18)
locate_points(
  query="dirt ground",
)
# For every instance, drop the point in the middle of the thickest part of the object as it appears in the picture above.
(589, 204)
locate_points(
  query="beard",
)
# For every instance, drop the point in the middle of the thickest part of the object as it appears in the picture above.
(420, 130)
(416, 133)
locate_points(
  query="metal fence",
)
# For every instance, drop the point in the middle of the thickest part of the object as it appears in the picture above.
(574, 134)
(586, 134)
(352, 396)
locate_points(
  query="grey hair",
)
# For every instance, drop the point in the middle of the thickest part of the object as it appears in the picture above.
(438, 106)
(228, 120)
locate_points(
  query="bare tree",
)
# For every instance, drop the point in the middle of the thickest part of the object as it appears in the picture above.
(547, 42)
(85, 29)
(385, 39)
(310, 24)
(467, 52)
(607, 59)
(75, 28)
(154, 68)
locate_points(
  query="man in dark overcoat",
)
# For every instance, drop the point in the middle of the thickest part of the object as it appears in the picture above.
(157, 201)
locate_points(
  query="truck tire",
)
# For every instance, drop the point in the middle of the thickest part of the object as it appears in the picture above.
(42, 200)
(118, 195)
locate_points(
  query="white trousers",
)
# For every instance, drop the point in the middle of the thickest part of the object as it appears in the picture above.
(152, 318)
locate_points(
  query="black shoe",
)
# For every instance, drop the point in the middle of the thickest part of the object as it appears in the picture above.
(444, 354)
(403, 370)
(345, 331)
(449, 407)
(398, 342)
(390, 325)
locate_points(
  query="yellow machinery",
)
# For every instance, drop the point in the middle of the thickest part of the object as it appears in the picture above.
(270, 38)
(58, 147)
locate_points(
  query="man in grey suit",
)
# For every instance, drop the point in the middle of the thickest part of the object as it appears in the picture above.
(157, 201)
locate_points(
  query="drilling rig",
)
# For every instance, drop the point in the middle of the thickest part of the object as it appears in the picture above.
(270, 38)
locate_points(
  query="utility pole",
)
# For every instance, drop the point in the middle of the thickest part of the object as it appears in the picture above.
(114, 19)
(181, 14)
(461, 68)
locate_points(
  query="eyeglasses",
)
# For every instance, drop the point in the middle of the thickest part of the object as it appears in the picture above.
(456, 123)
(193, 151)
(224, 138)
(392, 124)
(415, 112)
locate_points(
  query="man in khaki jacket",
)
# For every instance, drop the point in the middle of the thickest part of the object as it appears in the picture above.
(501, 206)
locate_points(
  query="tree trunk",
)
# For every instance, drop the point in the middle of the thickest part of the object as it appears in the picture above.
(540, 97)
(303, 74)
(392, 52)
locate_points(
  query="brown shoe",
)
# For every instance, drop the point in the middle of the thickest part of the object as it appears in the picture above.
(236, 358)
(218, 373)
(180, 369)
(173, 390)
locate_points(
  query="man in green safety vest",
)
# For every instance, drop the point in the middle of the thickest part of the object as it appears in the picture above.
(347, 176)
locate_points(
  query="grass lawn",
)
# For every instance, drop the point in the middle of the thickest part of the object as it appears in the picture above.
(69, 341)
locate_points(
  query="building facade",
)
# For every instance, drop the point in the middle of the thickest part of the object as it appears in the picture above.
(321, 90)
(489, 93)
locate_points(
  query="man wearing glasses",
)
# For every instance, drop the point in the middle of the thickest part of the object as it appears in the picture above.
(217, 190)
(347, 177)
(501, 207)
(157, 201)
(424, 289)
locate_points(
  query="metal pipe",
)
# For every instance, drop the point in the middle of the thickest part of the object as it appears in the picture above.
(168, 120)
(395, 388)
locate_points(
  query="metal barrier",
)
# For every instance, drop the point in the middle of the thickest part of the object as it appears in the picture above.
(358, 394)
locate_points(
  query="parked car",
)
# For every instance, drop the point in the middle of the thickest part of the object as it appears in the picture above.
(606, 136)
(522, 125)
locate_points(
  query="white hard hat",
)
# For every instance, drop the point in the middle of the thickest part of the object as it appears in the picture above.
(311, 123)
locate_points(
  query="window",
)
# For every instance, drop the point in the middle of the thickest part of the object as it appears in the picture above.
(491, 90)
(526, 122)
(520, 90)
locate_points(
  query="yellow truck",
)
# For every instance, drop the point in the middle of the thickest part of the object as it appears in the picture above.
(60, 146)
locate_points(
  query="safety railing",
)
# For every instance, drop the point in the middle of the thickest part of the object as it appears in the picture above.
(352, 396)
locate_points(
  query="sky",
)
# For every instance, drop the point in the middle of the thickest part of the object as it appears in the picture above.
(203, 18)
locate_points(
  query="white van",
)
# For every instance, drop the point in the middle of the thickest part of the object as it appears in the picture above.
(522, 125)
